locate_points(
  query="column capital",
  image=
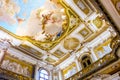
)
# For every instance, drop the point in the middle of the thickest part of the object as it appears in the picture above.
(5, 44)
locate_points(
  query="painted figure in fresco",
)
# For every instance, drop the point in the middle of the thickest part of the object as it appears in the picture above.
(70, 72)
(45, 23)
(51, 23)
(106, 49)
(8, 10)
(81, 5)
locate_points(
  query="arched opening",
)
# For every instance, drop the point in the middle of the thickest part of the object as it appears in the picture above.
(86, 61)
(43, 74)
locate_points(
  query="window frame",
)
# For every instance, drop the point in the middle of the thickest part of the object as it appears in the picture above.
(85, 61)
(40, 77)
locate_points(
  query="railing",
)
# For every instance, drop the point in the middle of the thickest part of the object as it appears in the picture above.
(93, 67)
(14, 76)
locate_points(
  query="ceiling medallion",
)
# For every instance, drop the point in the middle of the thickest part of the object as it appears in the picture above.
(71, 43)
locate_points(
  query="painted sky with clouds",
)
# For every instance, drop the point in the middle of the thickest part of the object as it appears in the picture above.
(25, 8)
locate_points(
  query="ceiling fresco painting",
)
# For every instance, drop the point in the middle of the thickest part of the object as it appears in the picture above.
(58, 54)
(71, 43)
(15, 12)
(29, 50)
(82, 4)
(41, 21)
(52, 30)
(85, 32)
(103, 48)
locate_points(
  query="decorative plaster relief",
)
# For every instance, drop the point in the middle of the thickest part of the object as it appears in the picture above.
(15, 65)
(71, 43)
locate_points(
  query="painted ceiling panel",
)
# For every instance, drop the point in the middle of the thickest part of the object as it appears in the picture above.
(42, 21)
(51, 30)
(15, 12)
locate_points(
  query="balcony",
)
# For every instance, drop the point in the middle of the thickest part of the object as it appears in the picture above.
(101, 63)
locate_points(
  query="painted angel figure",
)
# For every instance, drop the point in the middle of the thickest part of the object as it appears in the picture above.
(44, 23)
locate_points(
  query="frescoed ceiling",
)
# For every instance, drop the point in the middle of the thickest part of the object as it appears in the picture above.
(41, 21)
(55, 27)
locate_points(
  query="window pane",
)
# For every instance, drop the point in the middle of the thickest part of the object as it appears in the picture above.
(88, 61)
(41, 79)
(41, 75)
(46, 76)
(44, 71)
(84, 64)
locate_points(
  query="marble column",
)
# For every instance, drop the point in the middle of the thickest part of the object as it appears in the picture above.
(51, 75)
(60, 75)
(36, 72)
(94, 57)
(2, 53)
(78, 65)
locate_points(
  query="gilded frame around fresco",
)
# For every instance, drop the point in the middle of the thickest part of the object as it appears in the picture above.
(51, 44)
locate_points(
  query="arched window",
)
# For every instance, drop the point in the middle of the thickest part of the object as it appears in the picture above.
(43, 74)
(86, 61)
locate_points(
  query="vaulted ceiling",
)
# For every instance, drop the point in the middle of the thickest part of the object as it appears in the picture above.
(51, 30)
